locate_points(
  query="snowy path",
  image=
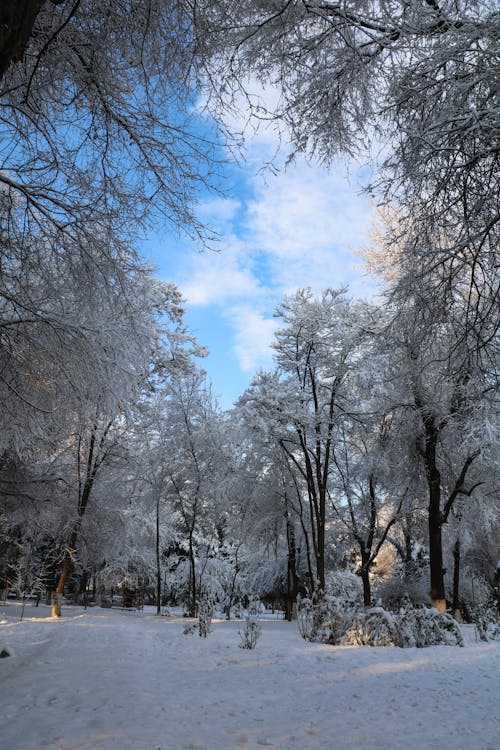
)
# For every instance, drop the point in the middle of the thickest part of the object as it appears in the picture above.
(118, 680)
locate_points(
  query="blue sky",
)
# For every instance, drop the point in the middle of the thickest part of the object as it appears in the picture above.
(280, 231)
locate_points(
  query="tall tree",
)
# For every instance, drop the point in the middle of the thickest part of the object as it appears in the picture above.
(303, 402)
(418, 76)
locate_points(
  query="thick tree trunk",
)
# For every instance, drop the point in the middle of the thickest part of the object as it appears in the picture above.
(438, 595)
(364, 574)
(435, 520)
(58, 594)
(17, 18)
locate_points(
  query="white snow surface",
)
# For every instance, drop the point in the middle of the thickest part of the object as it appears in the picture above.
(120, 680)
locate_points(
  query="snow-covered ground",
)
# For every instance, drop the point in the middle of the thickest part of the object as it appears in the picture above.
(118, 680)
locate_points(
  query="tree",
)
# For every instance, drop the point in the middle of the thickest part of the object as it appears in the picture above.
(447, 399)
(135, 349)
(417, 76)
(95, 105)
(302, 403)
(99, 132)
(368, 495)
(193, 464)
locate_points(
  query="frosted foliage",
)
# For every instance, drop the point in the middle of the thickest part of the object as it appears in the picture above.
(345, 585)
(324, 622)
(99, 109)
(374, 628)
(336, 622)
(410, 627)
(486, 622)
(418, 76)
(250, 633)
(396, 589)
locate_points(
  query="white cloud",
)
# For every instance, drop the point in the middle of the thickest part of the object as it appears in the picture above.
(253, 336)
(211, 278)
(219, 212)
(294, 228)
(308, 221)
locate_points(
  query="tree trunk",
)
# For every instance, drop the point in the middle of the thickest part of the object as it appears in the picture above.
(192, 577)
(433, 476)
(456, 581)
(320, 557)
(58, 594)
(364, 574)
(17, 18)
(438, 595)
(93, 462)
(158, 558)
(292, 577)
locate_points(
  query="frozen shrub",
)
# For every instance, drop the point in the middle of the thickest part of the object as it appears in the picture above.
(205, 614)
(305, 612)
(475, 592)
(432, 628)
(325, 621)
(376, 627)
(251, 632)
(331, 619)
(334, 621)
(342, 584)
(398, 589)
(485, 622)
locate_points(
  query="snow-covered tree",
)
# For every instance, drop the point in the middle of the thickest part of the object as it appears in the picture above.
(193, 467)
(302, 403)
(96, 104)
(415, 79)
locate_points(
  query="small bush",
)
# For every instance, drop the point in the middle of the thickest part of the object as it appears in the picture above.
(433, 628)
(342, 584)
(484, 618)
(251, 632)
(397, 590)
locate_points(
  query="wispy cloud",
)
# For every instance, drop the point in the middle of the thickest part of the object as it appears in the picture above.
(219, 278)
(253, 337)
(296, 227)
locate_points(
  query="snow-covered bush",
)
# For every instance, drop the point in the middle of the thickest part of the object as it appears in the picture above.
(475, 593)
(398, 589)
(251, 632)
(325, 621)
(431, 627)
(376, 627)
(344, 585)
(484, 618)
(305, 613)
(336, 621)
(268, 581)
(205, 614)
(409, 627)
